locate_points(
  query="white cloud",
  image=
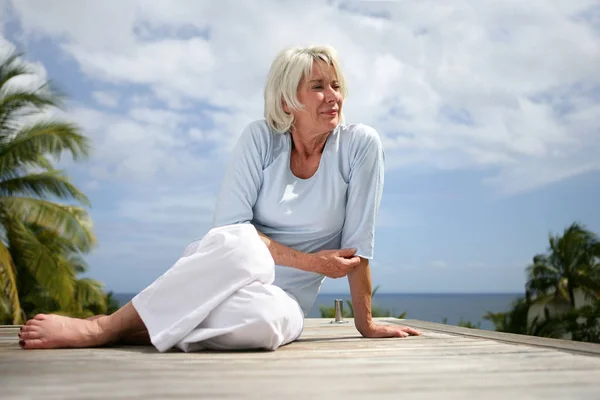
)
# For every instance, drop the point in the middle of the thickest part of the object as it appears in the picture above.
(439, 264)
(148, 145)
(451, 86)
(93, 25)
(507, 87)
(106, 98)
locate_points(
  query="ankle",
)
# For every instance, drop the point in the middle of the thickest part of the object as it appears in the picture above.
(104, 330)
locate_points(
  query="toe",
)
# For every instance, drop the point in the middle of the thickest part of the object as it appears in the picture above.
(28, 334)
(32, 344)
(40, 317)
(35, 322)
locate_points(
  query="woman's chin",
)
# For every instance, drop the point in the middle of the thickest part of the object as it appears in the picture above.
(333, 122)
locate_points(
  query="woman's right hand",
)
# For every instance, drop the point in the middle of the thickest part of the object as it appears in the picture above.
(335, 263)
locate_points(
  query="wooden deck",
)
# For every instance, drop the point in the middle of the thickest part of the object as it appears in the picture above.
(330, 361)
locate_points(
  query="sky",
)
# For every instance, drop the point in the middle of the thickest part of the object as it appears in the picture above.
(489, 113)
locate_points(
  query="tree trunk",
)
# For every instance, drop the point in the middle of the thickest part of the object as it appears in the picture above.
(572, 296)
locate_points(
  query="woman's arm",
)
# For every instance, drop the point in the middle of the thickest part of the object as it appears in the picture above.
(360, 291)
(359, 280)
(331, 263)
(365, 190)
(284, 255)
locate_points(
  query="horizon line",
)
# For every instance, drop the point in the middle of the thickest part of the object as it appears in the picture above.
(396, 293)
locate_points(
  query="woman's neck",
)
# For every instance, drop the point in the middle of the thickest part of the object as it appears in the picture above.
(307, 144)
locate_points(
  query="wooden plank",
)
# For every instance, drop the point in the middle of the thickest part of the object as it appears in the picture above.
(329, 361)
(557, 344)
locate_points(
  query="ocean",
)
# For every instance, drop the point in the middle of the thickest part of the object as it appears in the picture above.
(433, 307)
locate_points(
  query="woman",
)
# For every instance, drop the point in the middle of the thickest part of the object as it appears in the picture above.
(298, 204)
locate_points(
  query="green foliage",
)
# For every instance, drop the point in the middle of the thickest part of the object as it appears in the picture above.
(348, 311)
(513, 321)
(44, 229)
(469, 324)
(112, 304)
(464, 324)
(571, 263)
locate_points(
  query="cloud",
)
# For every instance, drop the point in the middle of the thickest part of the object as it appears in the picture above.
(105, 98)
(505, 88)
(439, 264)
(458, 86)
(144, 146)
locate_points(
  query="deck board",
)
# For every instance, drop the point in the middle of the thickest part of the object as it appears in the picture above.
(330, 361)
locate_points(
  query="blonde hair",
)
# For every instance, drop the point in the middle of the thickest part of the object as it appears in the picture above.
(287, 70)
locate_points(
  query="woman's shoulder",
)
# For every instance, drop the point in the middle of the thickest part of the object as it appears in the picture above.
(258, 130)
(359, 135)
(258, 136)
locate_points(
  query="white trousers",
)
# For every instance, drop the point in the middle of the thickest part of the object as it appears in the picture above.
(219, 295)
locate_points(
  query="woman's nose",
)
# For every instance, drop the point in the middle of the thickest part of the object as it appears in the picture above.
(331, 95)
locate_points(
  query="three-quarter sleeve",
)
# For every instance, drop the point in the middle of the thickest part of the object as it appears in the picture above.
(365, 188)
(243, 178)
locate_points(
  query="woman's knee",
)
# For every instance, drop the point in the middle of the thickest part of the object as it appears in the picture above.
(239, 248)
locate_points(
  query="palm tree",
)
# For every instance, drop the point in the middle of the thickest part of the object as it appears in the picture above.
(30, 189)
(82, 295)
(512, 321)
(571, 263)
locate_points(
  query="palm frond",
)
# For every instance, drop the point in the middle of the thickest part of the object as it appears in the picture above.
(42, 184)
(589, 283)
(543, 299)
(32, 143)
(5, 310)
(17, 103)
(8, 284)
(11, 67)
(79, 264)
(89, 292)
(48, 268)
(70, 222)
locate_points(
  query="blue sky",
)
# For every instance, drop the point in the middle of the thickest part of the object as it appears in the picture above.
(489, 113)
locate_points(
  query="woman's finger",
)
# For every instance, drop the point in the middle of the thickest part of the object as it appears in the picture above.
(411, 331)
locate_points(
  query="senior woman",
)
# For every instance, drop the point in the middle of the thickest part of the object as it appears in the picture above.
(298, 203)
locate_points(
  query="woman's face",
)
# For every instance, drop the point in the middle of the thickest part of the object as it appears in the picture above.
(320, 94)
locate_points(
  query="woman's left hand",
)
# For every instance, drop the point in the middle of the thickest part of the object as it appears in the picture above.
(386, 331)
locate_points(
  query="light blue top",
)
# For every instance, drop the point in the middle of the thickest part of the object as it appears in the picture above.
(333, 209)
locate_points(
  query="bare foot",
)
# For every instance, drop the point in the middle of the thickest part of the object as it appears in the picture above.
(54, 331)
(140, 338)
(93, 317)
